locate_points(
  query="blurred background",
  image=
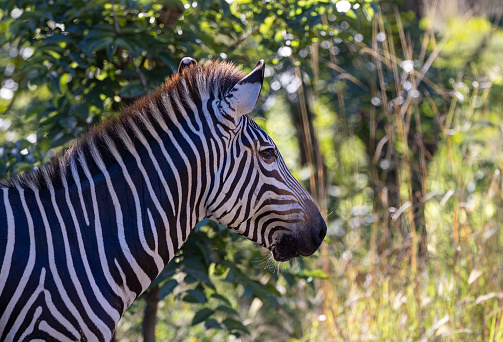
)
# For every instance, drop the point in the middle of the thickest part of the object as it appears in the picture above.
(389, 112)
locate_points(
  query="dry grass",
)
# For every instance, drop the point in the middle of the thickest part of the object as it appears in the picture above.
(429, 266)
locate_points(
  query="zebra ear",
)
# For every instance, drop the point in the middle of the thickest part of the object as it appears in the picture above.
(241, 99)
(185, 63)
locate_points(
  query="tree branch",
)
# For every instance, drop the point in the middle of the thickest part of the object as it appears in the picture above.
(116, 22)
(243, 38)
(143, 80)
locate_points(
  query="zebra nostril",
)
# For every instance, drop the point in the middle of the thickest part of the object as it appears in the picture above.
(322, 233)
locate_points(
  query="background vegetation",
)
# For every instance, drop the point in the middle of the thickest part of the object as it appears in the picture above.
(389, 112)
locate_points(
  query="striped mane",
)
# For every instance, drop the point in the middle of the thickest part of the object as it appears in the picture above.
(212, 79)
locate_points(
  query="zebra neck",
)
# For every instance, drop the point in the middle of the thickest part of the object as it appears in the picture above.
(145, 202)
(115, 211)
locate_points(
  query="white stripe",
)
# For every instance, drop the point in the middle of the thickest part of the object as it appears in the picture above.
(69, 261)
(248, 194)
(142, 277)
(76, 177)
(167, 104)
(158, 117)
(194, 214)
(132, 295)
(11, 240)
(223, 140)
(28, 268)
(154, 232)
(228, 175)
(153, 132)
(56, 335)
(28, 306)
(217, 136)
(143, 240)
(29, 330)
(51, 307)
(207, 167)
(130, 147)
(113, 313)
(53, 268)
(99, 233)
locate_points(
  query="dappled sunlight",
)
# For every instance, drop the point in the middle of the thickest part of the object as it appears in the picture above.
(389, 114)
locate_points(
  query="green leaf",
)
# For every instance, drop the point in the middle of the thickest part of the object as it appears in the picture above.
(166, 273)
(167, 288)
(111, 49)
(222, 298)
(195, 296)
(125, 44)
(97, 44)
(227, 309)
(81, 109)
(54, 83)
(189, 279)
(312, 273)
(194, 263)
(75, 56)
(59, 38)
(212, 324)
(233, 324)
(201, 315)
(132, 89)
(247, 292)
(21, 166)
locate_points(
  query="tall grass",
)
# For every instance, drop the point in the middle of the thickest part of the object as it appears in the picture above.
(429, 264)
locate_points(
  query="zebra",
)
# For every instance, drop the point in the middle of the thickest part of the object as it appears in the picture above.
(83, 236)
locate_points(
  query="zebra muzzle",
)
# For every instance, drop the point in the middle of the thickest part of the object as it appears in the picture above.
(304, 242)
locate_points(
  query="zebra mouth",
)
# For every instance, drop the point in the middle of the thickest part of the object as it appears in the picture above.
(285, 249)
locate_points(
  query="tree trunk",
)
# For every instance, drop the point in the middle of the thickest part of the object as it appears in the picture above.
(150, 314)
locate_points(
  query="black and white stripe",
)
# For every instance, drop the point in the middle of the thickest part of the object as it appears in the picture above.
(81, 238)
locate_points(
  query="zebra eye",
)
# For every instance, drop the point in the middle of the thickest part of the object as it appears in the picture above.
(268, 153)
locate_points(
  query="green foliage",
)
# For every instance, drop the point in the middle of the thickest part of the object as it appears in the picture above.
(408, 141)
(66, 67)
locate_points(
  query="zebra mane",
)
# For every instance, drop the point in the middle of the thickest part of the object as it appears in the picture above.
(211, 78)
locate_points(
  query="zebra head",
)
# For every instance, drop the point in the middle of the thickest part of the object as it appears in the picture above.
(253, 192)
